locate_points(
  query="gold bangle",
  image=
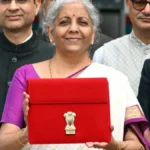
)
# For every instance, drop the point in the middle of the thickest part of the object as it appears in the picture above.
(18, 137)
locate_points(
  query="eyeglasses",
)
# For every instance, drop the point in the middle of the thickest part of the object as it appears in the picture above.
(139, 4)
(17, 1)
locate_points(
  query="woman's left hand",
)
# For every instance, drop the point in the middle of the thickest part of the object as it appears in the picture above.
(113, 145)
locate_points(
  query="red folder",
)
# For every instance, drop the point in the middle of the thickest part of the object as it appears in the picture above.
(72, 110)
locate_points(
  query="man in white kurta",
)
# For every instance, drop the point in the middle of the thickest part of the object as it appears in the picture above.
(126, 54)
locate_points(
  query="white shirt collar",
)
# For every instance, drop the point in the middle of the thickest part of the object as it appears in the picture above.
(138, 41)
(29, 37)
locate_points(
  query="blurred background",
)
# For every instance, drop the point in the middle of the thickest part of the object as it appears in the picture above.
(115, 20)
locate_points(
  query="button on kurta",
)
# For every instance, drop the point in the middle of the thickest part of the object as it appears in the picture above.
(14, 59)
(146, 51)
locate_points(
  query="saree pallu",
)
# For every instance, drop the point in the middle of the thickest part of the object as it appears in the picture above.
(135, 120)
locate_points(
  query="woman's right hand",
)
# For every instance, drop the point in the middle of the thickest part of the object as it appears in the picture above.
(26, 106)
(25, 111)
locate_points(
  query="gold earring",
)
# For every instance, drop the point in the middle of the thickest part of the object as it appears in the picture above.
(51, 40)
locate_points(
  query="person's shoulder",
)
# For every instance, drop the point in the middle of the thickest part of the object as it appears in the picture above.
(115, 43)
(146, 67)
(147, 62)
(1, 36)
(20, 75)
(99, 43)
(109, 72)
(118, 41)
(43, 37)
(44, 45)
(23, 69)
(105, 38)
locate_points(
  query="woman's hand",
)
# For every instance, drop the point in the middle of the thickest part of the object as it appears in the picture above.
(113, 145)
(25, 111)
(26, 106)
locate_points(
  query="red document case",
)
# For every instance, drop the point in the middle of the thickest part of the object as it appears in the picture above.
(72, 110)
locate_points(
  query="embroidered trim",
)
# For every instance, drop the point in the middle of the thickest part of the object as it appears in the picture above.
(133, 112)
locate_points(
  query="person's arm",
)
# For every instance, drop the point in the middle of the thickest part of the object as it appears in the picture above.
(144, 89)
(98, 55)
(131, 142)
(11, 137)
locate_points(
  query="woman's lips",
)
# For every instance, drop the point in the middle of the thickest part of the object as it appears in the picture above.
(73, 39)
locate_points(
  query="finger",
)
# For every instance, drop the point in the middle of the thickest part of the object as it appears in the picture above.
(103, 145)
(25, 105)
(89, 144)
(24, 94)
(99, 145)
(112, 128)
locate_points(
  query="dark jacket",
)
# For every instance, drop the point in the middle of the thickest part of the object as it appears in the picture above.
(14, 56)
(144, 89)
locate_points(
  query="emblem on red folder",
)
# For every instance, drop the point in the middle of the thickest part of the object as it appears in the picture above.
(70, 118)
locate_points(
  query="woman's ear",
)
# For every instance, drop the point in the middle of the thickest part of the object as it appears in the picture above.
(50, 34)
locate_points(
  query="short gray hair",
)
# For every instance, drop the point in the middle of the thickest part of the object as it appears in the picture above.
(56, 6)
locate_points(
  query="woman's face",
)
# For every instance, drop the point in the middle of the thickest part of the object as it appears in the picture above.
(72, 31)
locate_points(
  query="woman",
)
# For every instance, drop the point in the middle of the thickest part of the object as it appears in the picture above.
(72, 25)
